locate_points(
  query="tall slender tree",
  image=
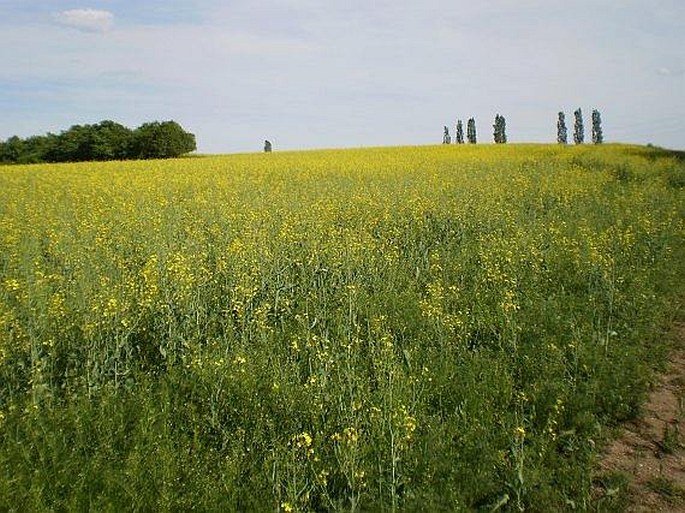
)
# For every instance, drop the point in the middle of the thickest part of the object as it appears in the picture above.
(446, 138)
(500, 133)
(597, 135)
(562, 131)
(460, 132)
(578, 128)
(471, 131)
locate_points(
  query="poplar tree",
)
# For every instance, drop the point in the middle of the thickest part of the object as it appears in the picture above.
(460, 132)
(562, 132)
(578, 128)
(500, 127)
(597, 136)
(471, 131)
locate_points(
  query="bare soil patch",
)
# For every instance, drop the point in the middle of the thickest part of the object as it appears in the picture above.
(648, 457)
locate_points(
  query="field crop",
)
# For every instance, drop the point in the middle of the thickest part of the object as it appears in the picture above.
(404, 329)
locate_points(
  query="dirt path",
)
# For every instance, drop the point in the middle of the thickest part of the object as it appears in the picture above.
(648, 459)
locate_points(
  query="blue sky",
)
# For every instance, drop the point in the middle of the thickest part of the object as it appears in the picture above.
(308, 74)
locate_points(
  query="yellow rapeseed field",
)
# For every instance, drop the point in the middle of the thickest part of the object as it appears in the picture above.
(418, 328)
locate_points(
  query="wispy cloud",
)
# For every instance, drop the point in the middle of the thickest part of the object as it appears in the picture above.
(88, 20)
(671, 72)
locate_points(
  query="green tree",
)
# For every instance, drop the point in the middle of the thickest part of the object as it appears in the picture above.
(562, 131)
(161, 140)
(578, 128)
(471, 131)
(72, 145)
(26, 151)
(110, 141)
(597, 135)
(12, 150)
(106, 140)
(37, 148)
(500, 130)
(460, 132)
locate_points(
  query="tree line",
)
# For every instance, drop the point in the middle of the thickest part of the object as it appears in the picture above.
(500, 130)
(579, 128)
(106, 140)
(470, 132)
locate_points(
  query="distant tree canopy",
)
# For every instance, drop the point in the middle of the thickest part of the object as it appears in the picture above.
(597, 134)
(471, 130)
(446, 137)
(161, 140)
(562, 131)
(106, 140)
(500, 129)
(578, 127)
(460, 132)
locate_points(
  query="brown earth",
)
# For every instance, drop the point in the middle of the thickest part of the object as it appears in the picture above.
(649, 453)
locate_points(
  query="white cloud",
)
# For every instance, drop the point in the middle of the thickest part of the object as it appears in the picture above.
(89, 20)
(671, 72)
